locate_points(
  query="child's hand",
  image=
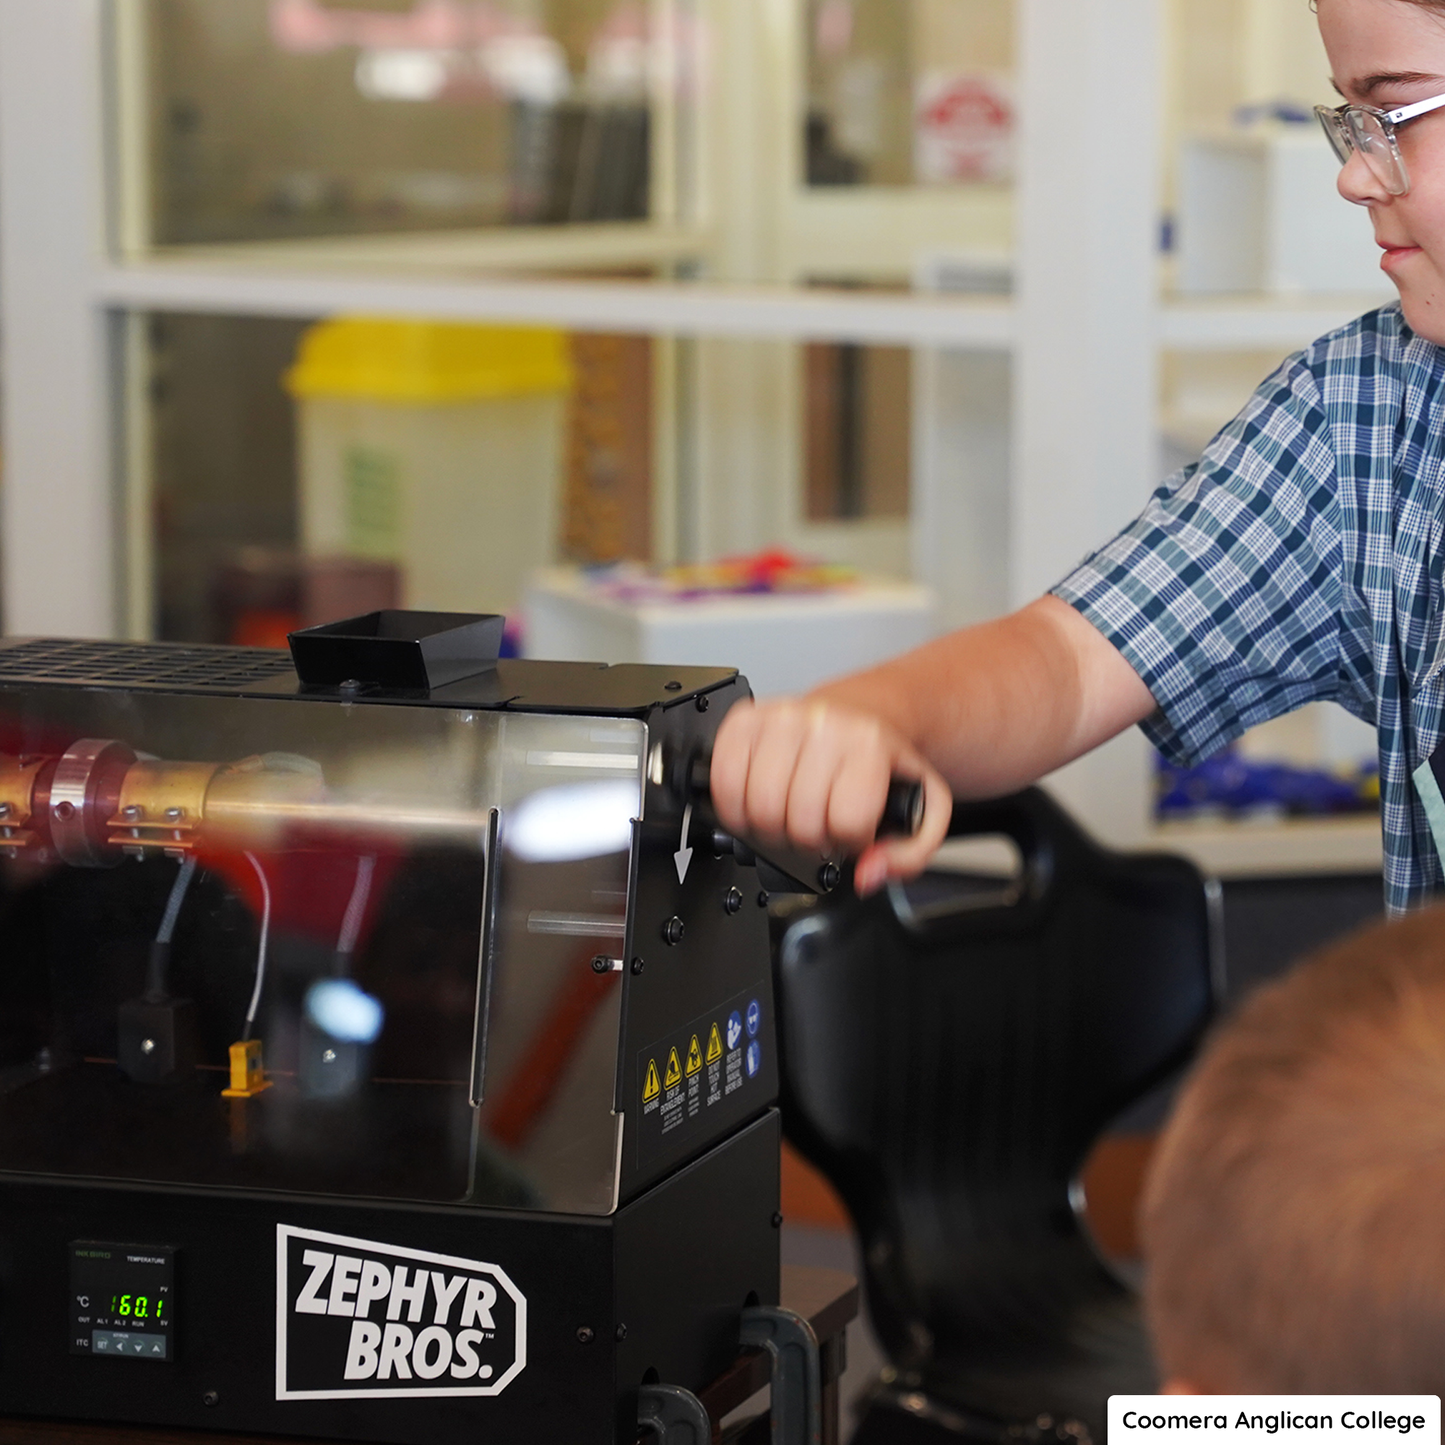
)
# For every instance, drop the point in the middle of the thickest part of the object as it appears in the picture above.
(815, 775)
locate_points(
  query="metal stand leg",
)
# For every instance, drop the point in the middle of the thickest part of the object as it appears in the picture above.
(674, 1415)
(797, 1391)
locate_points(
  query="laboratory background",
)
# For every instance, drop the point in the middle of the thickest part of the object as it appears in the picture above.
(772, 334)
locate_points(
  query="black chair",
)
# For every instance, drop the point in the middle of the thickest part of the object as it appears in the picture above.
(951, 1051)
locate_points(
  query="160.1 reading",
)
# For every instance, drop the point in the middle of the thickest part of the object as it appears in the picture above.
(137, 1306)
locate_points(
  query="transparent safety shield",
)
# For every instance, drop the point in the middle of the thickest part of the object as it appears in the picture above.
(293, 945)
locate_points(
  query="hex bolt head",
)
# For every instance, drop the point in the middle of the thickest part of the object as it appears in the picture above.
(762, 898)
(584, 1335)
(601, 964)
(64, 811)
(174, 815)
(673, 930)
(132, 812)
(637, 967)
(732, 902)
(829, 876)
(672, 687)
(621, 1333)
(777, 1221)
(211, 1398)
(703, 702)
(147, 1046)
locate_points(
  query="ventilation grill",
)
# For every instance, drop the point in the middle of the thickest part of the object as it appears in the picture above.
(140, 664)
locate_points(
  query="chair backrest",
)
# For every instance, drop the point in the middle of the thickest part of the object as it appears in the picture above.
(950, 1066)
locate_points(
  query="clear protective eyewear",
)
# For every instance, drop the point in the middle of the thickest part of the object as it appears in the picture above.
(1371, 132)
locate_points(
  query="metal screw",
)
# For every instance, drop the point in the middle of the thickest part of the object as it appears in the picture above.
(762, 898)
(621, 1333)
(601, 964)
(174, 815)
(211, 1398)
(703, 702)
(584, 1334)
(64, 811)
(147, 1046)
(328, 1056)
(132, 812)
(637, 966)
(777, 1221)
(4, 810)
(672, 687)
(673, 930)
(733, 902)
(829, 876)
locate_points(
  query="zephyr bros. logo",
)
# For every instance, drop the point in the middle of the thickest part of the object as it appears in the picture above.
(355, 1317)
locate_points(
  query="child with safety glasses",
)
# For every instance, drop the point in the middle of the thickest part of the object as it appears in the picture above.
(1299, 560)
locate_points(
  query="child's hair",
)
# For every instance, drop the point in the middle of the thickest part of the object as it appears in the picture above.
(1294, 1218)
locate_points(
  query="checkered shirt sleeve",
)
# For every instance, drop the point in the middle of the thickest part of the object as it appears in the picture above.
(1224, 594)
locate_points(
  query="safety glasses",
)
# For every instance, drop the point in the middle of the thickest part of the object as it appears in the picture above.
(1371, 132)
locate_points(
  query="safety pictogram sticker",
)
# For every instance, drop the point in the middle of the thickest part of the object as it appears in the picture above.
(708, 1073)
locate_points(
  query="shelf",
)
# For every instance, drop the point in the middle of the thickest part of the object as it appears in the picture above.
(1276, 850)
(610, 245)
(1242, 323)
(662, 308)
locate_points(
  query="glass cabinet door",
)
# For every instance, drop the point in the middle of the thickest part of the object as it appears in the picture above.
(914, 93)
(267, 120)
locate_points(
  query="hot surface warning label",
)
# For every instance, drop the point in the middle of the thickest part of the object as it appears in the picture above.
(708, 1062)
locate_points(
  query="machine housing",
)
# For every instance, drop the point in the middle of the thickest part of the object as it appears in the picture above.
(386, 1056)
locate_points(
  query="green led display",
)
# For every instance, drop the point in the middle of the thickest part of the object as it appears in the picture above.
(137, 1306)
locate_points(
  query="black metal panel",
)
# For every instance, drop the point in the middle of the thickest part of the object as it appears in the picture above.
(717, 966)
(690, 1254)
(226, 1319)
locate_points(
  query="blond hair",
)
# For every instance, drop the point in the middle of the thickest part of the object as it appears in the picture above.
(1294, 1218)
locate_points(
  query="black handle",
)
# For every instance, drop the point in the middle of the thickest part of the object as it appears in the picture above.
(902, 811)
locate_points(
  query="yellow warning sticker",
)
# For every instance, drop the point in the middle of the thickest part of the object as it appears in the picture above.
(652, 1085)
(674, 1070)
(694, 1057)
(714, 1046)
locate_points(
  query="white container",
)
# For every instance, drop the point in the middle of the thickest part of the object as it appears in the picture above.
(1260, 211)
(783, 643)
(438, 448)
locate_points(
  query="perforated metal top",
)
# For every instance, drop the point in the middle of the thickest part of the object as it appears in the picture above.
(132, 664)
(518, 684)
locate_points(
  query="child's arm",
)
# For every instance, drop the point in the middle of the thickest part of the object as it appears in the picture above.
(982, 712)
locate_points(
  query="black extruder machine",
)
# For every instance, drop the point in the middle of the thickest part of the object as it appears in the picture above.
(387, 1047)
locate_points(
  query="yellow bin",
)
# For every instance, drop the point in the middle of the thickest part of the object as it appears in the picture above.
(435, 446)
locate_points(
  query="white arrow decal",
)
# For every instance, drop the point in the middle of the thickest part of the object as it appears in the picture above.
(683, 856)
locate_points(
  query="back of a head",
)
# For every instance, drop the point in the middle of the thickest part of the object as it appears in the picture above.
(1294, 1219)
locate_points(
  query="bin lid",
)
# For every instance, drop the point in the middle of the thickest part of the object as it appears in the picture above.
(417, 362)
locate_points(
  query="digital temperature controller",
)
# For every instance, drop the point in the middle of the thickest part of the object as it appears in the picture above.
(122, 1300)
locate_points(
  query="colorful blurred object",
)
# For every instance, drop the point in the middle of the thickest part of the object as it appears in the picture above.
(1232, 786)
(773, 570)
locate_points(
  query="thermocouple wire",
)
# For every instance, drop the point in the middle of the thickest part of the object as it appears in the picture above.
(261, 952)
(158, 965)
(178, 896)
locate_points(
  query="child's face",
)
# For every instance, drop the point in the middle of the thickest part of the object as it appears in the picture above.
(1388, 53)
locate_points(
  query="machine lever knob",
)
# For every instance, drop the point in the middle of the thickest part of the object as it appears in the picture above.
(902, 811)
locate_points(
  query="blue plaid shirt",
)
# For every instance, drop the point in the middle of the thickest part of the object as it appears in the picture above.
(1300, 560)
